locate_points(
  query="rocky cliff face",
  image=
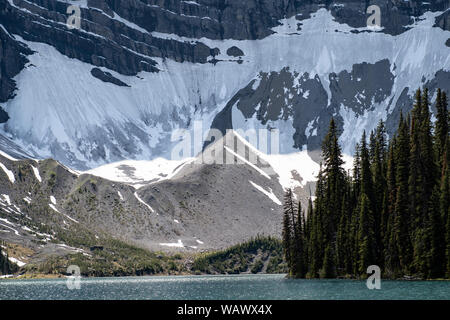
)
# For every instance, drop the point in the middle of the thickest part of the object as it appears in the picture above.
(137, 70)
(12, 60)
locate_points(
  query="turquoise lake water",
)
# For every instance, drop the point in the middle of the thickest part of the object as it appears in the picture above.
(230, 287)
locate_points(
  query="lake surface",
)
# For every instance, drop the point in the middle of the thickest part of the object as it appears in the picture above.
(248, 287)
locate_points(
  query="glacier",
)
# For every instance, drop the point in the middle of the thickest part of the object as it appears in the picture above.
(60, 111)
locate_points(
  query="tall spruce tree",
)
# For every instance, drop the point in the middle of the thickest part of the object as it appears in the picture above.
(366, 229)
(391, 255)
(366, 235)
(334, 177)
(317, 239)
(379, 198)
(335, 186)
(422, 180)
(299, 244)
(435, 234)
(402, 218)
(444, 203)
(288, 236)
(343, 242)
(441, 126)
(308, 238)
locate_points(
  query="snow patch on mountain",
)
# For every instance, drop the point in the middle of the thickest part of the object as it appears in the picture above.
(6, 198)
(51, 205)
(140, 173)
(178, 244)
(144, 203)
(16, 261)
(36, 173)
(269, 193)
(294, 169)
(8, 172)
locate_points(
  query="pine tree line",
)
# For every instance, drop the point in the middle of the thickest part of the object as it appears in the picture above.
(6, 267)
(392, 210)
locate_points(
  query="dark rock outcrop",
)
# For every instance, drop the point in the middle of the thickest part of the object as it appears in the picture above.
(107, 77)
(365, 85)
(4, 117)
(235, 52)
(288, 95)
(104, 39)
(12, 61)
(254, 19)
(443, 21)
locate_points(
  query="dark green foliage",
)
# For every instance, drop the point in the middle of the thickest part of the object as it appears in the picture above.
(392, 212)
(6, 266)
(366, 235)
(250, 256)
(442, 126)
(257, 267)
(288, 230)
(294, 236)
(434, 229)
(402, 217)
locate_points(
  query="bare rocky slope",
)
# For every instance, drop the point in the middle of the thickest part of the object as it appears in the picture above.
(207, 205)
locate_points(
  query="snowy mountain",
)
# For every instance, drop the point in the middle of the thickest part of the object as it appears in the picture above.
(128, 104)
(136, 71)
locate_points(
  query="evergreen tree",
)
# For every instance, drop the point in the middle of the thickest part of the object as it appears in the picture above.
(393, 211)
(328, 269)
(287, 230)
(441, 126)
(391, 258)
(435, 229)
(422, 180)
(344, 250)
(308, 237)
(356, 174)
(401, 232)
(6, 266)
(366, 229)
(366, 174)
(299, 245)
(334, 181)
(2, 262)
(305, 239)
(444, 204)
(316, 237)
(379, 198)
(429, 169)
(447, 245)
(366, 236)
